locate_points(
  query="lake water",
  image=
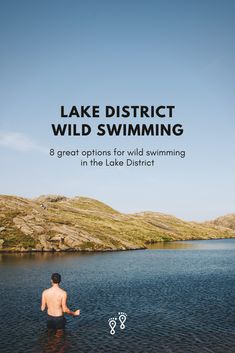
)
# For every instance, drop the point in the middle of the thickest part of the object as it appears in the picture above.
(178, 298)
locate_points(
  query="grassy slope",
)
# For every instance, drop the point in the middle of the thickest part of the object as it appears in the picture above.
(58, 223)
(227, 221)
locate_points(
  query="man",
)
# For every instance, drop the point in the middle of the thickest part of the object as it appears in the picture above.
(55, 300)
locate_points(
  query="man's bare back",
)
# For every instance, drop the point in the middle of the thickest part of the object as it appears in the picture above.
(55, 300)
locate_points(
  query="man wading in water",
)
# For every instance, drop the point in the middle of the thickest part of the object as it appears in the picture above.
(55, 300)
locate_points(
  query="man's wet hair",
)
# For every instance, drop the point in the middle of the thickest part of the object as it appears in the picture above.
(56, 278)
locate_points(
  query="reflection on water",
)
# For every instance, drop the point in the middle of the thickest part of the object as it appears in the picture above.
(176, 301)
(53, 342)
(218, 244)
(18, 258)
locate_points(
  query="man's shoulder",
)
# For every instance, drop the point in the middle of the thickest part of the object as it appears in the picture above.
(49, 290)
(63, 292)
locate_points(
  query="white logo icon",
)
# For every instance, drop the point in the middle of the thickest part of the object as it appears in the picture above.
(122, 319)
(113, 322)
(112, 325)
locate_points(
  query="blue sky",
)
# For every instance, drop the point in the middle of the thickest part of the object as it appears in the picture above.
(115, 53)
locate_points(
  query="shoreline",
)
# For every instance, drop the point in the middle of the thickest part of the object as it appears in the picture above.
(34, 251)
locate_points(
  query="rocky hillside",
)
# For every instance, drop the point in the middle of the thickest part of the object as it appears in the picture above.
(227, 221)
(57, 223)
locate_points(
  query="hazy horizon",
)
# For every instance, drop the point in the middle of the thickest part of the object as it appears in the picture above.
(117, 209)
(149, 52)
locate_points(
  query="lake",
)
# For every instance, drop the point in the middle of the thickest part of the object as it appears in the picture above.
(179, 298)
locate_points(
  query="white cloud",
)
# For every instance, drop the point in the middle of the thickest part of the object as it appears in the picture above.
(19, 142)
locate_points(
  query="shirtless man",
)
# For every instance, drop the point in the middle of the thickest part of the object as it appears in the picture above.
(55, 300)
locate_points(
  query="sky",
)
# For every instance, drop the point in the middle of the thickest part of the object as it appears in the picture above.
(147, 52)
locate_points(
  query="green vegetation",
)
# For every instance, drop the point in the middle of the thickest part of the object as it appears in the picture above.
(57, 223)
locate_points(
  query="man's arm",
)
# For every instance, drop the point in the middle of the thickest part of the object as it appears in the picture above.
(43, 303)
(66, 309)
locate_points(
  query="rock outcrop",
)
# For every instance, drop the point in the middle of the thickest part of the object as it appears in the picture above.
(58, 223)
(224, 222)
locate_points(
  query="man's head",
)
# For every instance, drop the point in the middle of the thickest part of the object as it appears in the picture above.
(56, 278)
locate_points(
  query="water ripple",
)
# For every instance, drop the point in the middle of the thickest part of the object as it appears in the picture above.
(176, 301)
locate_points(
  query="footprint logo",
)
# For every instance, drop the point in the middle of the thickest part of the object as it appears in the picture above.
(112, 324)
(122, 318)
